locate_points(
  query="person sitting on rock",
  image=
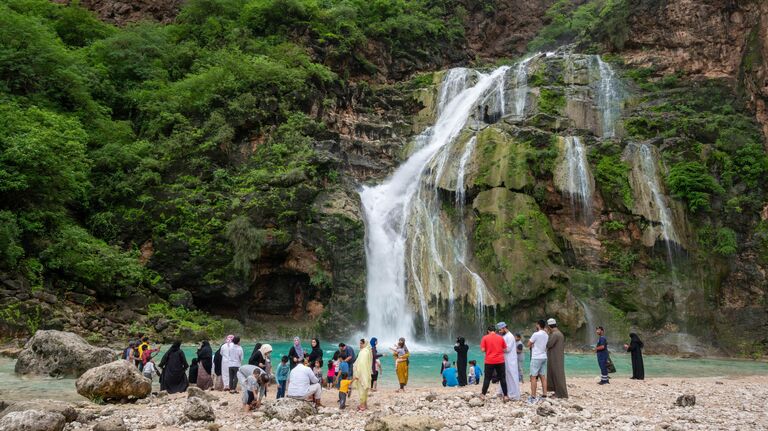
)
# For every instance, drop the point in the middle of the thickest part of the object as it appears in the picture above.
(303, 384)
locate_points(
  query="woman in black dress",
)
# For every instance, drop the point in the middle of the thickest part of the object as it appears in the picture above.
(174, 365)
(256, 356)
(205, 361)
(317, 353)
(461, 349)
(635, 348)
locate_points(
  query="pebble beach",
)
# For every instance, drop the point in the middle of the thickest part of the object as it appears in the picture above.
(721, 403)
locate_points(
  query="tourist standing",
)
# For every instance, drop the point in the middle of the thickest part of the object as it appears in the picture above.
(601, 349)
(205, 361)
(282, 376)
(635, 348)
(218, 383)
(150, 369)
(493, 346)
(347, 355)
(401, 355)
(304, 384)
(510, 362)
(174, 365)
(461, 349)
(145, 351)
(316, 355)
(375, 355)
(443, 365)
(296, 353)
(255, 355)
(538, 345)
(556, 361)
(128, 353)
(520, 356)
(266, 358)
(362, 368)
(192, 376)
(235, 362)
(224, 350)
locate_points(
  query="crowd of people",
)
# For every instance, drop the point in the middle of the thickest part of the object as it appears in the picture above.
(303, 374)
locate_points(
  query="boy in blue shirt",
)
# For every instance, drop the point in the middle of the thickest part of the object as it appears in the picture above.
(282, 376)
(451, 376)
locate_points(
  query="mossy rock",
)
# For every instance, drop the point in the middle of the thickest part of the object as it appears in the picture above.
(515, 245)
(502, 161)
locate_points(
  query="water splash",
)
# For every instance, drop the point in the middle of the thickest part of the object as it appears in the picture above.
(521, 87)
(648, 167)
(402, 210)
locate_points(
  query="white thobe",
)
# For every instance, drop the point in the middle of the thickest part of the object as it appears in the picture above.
(225, 354)
(510, 367)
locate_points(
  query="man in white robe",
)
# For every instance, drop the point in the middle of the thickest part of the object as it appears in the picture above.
(226, 352)
(510, 362)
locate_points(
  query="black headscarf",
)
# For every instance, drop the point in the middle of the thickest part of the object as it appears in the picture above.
(316, 354)
(256, 356)
(635, 339)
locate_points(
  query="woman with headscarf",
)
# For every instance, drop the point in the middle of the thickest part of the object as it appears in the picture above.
(401, 354)
(254, 358)
(461, 349)
(317, 353)
(174, 365)
(361, 371)
(218, 383)
(226, 350)
(265, 352)
(375, 355)
(635, 348)
(296, 354)
(205, 362)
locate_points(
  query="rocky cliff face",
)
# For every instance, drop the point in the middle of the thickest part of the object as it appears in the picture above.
(125, 12)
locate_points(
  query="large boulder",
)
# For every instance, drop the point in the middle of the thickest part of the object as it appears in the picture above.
(32, 420)
(289, 410)
(58, 353)
(118, 380)
(51, 406)
(404, 423)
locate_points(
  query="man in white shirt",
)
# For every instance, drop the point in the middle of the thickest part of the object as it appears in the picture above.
(235, 361)
(304, 384)
(510, 362)
(538, 345)
(224, 351)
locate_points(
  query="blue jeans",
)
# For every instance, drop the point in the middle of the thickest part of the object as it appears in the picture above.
(281, 388)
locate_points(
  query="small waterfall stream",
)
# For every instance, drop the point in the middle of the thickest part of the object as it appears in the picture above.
(608, 98)
(403, 216)
(648, 167)
(575, 179)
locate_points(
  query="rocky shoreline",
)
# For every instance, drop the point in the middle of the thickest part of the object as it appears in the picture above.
(719, 403)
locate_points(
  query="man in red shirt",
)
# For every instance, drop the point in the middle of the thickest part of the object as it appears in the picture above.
(493, 345)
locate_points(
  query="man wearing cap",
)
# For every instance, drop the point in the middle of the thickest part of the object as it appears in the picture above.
(556, 361)
(510, 361)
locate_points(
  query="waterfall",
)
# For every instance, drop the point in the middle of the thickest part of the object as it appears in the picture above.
(402, 215)
(575, 178)
(591, 322)
(608, 98)
(521, 87)
(650, 173)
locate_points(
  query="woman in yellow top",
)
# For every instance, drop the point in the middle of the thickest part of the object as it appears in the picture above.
(362, 372)
(401, 354)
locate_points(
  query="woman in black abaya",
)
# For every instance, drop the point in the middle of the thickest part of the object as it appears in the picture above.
(635, 348)
(174, 365)
(461, 349)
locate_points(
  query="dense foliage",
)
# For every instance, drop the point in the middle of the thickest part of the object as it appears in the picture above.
(195, 135)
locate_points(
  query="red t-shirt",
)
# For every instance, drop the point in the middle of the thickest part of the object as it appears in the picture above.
(494, 346)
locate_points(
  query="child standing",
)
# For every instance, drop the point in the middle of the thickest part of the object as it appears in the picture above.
(282, 376)
(317, 368)
(443, 366)
(331, 376)
(150, 369)
(478, 371)
(472, 378)
(344, 383)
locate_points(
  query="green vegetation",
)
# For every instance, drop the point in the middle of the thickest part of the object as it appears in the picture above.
(691, 182)
(612, 174)
(196, 134)
(614, 225)
(551, 101)
(721, 240)
(602, 21)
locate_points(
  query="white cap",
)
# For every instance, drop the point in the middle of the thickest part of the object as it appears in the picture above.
(551, 321)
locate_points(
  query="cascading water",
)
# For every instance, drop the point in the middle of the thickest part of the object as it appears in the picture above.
(608, 98)
(521, 87)
(575, 178)
(650, 173)
(402, 216)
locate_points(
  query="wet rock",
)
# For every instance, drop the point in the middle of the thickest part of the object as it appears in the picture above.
(197, 409)
(404, 423)
(58, 353)
(115, 381)
(32, 420)
(110, 424)
(289, 409)
(686, 400)
(430, 397)
(51, 406)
